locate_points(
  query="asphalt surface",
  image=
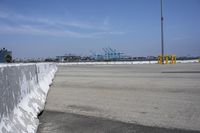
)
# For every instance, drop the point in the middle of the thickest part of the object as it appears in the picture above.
(57, 122)
(123, 98)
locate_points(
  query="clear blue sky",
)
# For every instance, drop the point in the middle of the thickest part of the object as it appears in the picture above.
(46, 28)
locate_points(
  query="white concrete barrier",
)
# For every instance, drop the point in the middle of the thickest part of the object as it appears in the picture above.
(122, 62)
(23, 90)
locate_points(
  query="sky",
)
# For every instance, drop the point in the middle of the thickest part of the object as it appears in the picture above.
(48, 28)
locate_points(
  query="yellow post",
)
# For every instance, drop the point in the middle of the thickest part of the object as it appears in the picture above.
(160, 59)
(170, 59)
(173, 59)
(166, 59)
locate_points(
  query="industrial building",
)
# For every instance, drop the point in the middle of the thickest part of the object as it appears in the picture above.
(5, 56)
(69, 58)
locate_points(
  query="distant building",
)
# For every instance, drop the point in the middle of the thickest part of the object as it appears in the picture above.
(5, 55)
(60, 58)
(69, 58)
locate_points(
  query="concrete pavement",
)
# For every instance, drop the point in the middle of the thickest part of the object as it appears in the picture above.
(142, 97)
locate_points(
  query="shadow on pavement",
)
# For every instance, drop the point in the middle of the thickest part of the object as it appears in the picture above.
(58, 122)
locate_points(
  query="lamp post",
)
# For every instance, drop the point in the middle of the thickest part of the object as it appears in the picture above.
(162, 36)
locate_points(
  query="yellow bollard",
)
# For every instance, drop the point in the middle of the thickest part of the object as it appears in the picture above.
(170, 59)
(173, 61)
(166, 59)
(160, 59)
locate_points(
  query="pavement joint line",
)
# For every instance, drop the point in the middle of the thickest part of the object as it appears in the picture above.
(181, 72)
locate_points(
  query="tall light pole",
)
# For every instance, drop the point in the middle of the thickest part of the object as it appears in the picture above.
(162, 36)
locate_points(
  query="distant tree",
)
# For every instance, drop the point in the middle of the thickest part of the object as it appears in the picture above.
(8, 58)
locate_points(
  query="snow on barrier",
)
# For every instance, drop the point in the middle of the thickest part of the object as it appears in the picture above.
(23, 90)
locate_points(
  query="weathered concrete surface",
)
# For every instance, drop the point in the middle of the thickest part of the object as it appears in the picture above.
(11, 91)
(140, 94)
(23, 90)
